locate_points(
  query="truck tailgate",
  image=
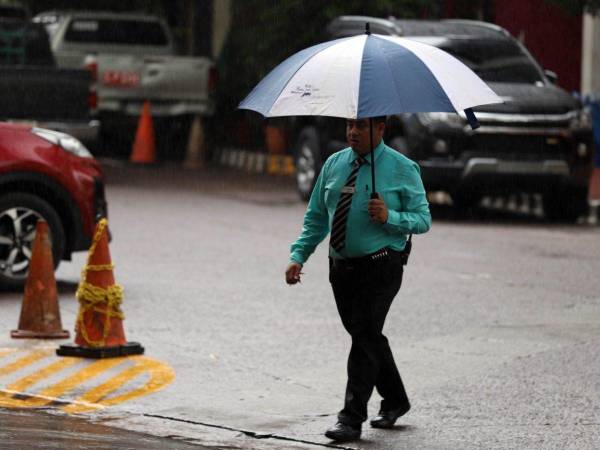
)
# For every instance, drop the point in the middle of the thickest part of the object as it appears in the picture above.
(44, 93)
(174, 85)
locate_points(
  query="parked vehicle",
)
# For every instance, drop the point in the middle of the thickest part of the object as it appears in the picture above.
(539, 140)
(35, 91)
(49, 175)
(133, 58)
(13, 12)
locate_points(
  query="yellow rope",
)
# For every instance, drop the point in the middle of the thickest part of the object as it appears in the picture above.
(100, 267)
(93, 298)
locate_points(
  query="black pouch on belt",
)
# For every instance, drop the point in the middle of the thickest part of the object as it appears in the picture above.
(404, 254)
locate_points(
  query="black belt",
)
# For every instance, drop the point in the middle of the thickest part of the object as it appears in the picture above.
(381, 255)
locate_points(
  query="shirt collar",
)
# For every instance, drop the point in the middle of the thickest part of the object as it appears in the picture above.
(367, 157)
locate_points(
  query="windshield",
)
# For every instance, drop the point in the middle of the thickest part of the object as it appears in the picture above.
(494, 60)
(106, 31)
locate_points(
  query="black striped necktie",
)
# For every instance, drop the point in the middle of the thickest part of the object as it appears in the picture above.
(340, 217)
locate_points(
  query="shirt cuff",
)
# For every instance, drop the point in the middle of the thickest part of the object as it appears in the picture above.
(393, 220)
(297, 258)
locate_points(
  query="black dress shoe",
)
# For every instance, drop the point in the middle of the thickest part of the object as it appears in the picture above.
(387, 419)
(342, 432)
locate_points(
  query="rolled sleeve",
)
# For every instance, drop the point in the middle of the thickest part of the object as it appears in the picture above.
(415, 217)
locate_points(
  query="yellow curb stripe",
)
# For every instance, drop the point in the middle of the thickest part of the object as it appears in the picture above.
(34, 378)
(25, 361)
(6, 351)
(70, 383)
(160, 376)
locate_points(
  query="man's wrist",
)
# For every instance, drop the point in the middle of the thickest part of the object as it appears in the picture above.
(294, 260)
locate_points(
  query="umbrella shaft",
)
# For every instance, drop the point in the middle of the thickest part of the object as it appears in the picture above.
(373, 191)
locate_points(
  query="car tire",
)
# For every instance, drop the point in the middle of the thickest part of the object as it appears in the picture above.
(19, 212)
(565, 204)
(308, 161)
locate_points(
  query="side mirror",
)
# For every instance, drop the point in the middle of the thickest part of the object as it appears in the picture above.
(552, 77)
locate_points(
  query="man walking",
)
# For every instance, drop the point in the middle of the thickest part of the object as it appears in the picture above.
(366, 258)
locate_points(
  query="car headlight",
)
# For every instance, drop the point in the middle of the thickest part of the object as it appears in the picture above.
(449, 118)
(64, 141)
(582, 119)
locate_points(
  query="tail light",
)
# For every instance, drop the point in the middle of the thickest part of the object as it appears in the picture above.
(91, 63)
(93, 98)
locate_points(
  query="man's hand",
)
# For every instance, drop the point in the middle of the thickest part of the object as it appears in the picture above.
(292, 274)
(377, 210)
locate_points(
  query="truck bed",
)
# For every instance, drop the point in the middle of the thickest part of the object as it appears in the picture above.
(43, 93)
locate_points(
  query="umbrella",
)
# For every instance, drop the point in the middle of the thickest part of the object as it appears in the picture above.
(366, 76)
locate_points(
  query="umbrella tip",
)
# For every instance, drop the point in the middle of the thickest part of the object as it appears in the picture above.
(367, 28)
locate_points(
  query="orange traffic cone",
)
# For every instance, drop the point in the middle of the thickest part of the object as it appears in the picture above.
(99, 327)
(144, 147)
(40, 315)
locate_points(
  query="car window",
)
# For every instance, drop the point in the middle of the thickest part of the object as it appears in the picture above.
(108, 31)
(494, 60)
(24, 44)
(13, 12)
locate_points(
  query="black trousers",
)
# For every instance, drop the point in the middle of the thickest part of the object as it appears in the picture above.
(363, 294)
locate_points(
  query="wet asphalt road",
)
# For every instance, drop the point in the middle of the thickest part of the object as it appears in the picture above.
(23, 429)
(495, 330)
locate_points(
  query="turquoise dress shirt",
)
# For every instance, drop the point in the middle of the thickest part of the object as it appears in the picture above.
(398, 182)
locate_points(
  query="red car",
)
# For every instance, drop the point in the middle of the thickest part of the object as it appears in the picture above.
(50, 175)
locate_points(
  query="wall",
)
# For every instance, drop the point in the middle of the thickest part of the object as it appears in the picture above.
(553, 37)
(590, 72)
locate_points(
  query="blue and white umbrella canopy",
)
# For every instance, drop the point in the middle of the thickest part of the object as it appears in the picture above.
(369, 75)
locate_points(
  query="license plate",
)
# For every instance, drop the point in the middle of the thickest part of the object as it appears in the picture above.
(120, 78)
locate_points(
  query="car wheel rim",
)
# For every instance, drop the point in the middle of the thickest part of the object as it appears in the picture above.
(305, 168)
(17, 232)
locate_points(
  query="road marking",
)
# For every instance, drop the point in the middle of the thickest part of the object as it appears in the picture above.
(6, 351)
(34, 356)
(135, 369)
(36, 377)
(160, 375)
(70, 383)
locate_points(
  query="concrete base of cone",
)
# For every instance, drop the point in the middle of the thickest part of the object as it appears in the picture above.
(28, 334)
(130, 348)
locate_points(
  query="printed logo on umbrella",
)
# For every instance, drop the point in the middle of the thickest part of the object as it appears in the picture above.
(305, 91)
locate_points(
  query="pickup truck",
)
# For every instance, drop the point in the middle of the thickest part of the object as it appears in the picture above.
(35, 91)
(538, 141)
(133, 59)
